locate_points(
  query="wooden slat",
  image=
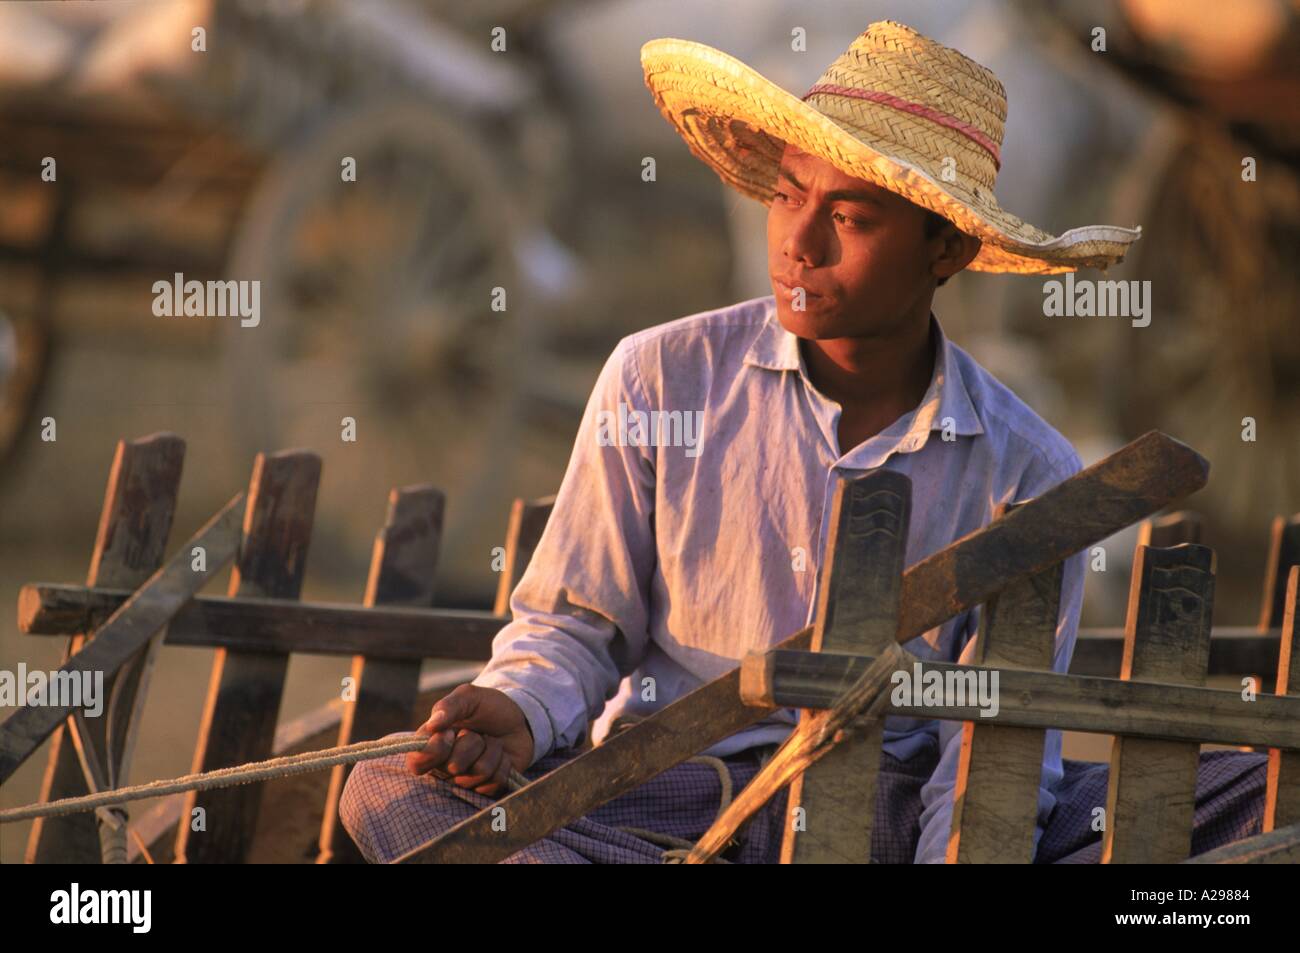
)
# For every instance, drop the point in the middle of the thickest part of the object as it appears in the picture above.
(245, 690)
(139, 505)
(528, 520)
(1028, 699)
(402, 567)
(125, 633)
(1152, 790)
(831, 808)
(995, 801)
(274, 625)
(1282, 793)
(1283, 553)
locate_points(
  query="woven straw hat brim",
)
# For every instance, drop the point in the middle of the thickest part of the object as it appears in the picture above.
(738, 122)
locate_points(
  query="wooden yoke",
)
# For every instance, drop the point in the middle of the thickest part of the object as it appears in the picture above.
(832, 805)
(995, 800)
(1152, 794)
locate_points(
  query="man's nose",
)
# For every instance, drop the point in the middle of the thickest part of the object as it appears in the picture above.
(804, 241)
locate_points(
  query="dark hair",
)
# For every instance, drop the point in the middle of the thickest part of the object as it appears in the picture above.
(934, 223)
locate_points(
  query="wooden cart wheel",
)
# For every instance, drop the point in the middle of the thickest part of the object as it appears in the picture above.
(376, 304)
(1222, 345)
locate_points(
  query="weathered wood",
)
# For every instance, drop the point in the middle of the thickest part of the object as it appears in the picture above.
(1281, 846)
(246, 688)
(1152, 791)
(1282, 793)
(995, 800)
(139, 505)
(402, 567)
(782, 679)
(1171, 529)
(129, 629)
(1283, 553)
(528, 520)
(275, 625)
(1089, 506)
(831, 808)
(47, 610)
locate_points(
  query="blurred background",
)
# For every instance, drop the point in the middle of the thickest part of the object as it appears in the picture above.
(521, 169)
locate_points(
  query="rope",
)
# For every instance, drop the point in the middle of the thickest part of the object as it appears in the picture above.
(226, 777)
(677, 848)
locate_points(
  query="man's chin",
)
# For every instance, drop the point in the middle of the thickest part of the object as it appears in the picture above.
(811, 324)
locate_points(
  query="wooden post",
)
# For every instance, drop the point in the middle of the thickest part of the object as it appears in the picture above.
(139, 505)
(832, 804)
(245, 689)
(1152, 794)
(1283, 553)
(995, 801)
(1282, 794)
(402, 566)
(528, 520)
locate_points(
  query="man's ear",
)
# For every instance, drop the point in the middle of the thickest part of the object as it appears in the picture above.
(956, 250)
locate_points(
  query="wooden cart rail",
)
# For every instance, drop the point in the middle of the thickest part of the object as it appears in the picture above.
(260, 623)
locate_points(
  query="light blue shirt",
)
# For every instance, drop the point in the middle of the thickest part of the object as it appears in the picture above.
(675, 549)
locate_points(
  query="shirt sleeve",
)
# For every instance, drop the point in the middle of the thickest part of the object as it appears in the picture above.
(937, 793)
(579, 615)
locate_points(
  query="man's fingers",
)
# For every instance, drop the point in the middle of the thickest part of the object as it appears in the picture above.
(468, 748)
(456, 705)
(433, 755)
(484, 768)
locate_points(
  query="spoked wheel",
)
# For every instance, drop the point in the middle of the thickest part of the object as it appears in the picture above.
(377, 304)
(1223, 343)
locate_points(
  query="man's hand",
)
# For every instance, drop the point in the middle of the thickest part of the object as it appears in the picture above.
(476, 735)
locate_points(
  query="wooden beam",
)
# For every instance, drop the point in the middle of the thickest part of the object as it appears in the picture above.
(255, 624)
(246, 688)
(831, 808)
(129, 629)
(1171, 529)
(1151, 798)
(995, 799)
(136, 518)
(783, 679)
(1084, 509)
(402, 566)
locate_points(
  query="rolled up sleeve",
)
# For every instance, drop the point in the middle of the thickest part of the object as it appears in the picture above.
(580, 613)
(937, 793)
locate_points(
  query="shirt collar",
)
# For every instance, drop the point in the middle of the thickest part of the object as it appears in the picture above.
(946, 398)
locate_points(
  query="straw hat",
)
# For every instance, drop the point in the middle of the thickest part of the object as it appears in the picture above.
(896, 109)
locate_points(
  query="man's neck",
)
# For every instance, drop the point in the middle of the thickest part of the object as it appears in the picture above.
(877, 377)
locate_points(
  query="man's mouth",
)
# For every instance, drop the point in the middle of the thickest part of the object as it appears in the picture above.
(788, 291)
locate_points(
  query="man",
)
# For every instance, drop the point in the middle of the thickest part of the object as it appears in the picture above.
(668, 556)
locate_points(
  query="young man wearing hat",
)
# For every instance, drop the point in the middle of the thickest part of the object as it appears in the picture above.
(662, 565)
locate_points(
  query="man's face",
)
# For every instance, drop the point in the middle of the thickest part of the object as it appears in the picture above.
(859, 251)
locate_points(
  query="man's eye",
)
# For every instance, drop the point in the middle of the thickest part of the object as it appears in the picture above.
(855, 222)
